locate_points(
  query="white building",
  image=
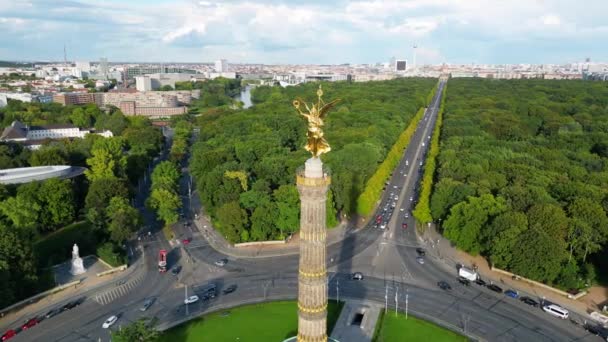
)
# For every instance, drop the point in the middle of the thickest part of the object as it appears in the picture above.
(24, 97)
(143, 83)
(33, 136)
(221, 65)
(84, 66)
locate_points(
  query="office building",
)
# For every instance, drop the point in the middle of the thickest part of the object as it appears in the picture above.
(78, 98)
(400, 65)
(131, 72)
(103, 67)
(221, 65)
(83, 66)
(143, 83)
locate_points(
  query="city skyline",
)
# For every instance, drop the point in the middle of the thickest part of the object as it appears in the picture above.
(276, 32)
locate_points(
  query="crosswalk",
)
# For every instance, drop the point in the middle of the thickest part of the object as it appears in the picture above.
(109, 296)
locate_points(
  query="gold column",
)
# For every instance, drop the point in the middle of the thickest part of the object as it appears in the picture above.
(312, 278)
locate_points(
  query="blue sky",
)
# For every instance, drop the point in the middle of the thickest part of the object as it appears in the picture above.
(312, 32)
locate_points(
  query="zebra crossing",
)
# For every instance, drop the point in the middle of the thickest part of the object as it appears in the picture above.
(109, 296)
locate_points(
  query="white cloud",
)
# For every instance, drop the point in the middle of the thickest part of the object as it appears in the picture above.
(331, 31)
(550, 20)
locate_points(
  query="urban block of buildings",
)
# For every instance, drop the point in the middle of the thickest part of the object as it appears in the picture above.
(153, 104)
(33, 137)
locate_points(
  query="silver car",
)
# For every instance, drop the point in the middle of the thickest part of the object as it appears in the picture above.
(221, 262)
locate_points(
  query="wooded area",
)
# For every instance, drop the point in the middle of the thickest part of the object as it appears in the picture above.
(523, 175)
(245, 161)
(33, 212)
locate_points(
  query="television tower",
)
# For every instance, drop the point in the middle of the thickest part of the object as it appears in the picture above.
(414, 59)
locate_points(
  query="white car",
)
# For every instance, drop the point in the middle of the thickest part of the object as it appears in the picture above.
(407, 215)
(191, 299)
(109, 322)
(221, 262)
(411, 199)
(396, 198)
(423, 144)
(402, 209)
(383, 226)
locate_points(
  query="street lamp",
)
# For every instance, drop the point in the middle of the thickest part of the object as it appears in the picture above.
(406, 302)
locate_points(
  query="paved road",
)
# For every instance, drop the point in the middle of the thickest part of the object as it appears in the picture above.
(386, 258)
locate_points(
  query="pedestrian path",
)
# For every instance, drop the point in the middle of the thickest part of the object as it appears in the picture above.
(120, 290)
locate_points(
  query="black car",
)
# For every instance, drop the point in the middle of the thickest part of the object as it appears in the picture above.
(420, 251)
(72, 304)
(479, 281)
(529, 301)
(229, 289)
(208, 295)
(175, 270)
(53, 312)
(596, 330)
(444, 285)
(495, 288)
(464, 281)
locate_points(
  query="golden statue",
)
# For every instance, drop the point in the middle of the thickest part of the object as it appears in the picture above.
(316, 144)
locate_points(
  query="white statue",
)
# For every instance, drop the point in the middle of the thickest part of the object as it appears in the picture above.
(77, 264)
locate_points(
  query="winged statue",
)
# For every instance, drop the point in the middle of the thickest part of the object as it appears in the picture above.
(315, 113)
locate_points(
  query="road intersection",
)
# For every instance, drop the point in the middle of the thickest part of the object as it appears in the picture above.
(386, 257)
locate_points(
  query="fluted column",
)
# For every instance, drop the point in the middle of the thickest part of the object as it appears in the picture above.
(312, 279)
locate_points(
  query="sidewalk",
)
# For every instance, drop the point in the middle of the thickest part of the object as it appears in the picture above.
(442, 249)
(292, 247)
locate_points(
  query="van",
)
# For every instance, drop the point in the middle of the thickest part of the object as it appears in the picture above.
(556, 311)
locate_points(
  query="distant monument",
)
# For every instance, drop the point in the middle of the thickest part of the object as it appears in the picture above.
(313, 183)
(77, 264)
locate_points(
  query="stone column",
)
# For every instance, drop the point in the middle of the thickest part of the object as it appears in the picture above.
(312, 279)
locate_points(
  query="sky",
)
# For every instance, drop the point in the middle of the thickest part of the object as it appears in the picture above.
(306, 32)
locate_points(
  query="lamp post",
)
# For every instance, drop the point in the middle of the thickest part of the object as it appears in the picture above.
(406, 303)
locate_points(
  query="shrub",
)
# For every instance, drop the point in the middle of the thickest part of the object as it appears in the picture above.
(112, 254)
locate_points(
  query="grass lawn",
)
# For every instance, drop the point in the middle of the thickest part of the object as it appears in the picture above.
(267, 322)
(394, 329)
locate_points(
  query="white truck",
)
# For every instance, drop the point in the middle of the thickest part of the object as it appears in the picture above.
(467, 273)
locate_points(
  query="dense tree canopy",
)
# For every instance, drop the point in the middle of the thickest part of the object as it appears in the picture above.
(265, 143)
(523, 175)
(30, 212)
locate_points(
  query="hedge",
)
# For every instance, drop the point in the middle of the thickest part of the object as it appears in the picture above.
(422, 213)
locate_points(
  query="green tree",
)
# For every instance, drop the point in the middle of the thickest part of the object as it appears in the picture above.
(165, 176)
(107, 159)
(141, 330)
(503, 235)
(123, 219)
(467, 219)
(165, 203)
(288, 204)
(21, 211)
(233, 220)
(18, 274)
(58, 203)
(80, 118)
(98, 198)
(47, 156)
(263, 222)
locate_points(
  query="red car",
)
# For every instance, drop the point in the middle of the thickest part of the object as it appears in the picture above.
(378, 218)
(8, 335)
(29, 324)
(404, 226)
(186, 240)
